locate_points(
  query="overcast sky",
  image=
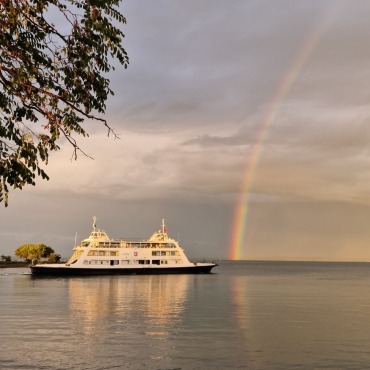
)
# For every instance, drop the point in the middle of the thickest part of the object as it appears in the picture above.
(189, 110)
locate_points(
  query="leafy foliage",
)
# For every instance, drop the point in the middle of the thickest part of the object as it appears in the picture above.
(33, 251)
(6, 258)
(52, 78)
(54, 258)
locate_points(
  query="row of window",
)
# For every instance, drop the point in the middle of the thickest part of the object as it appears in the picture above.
(102, 253)
(115, 253)
(128, 245)
(150, 245)
(130, 262)
(165, 253)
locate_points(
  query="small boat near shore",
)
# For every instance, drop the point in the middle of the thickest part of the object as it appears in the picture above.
(100, 255)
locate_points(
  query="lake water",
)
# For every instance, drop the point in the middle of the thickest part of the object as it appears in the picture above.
(245, 315)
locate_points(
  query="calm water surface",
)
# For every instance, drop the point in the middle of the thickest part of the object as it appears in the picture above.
(246, 315)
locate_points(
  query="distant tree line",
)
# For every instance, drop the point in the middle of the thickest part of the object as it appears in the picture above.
(6, 258)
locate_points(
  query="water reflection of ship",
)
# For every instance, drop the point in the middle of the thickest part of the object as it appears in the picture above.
(157, 299)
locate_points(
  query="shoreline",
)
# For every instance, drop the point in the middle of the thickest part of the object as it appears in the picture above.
(10, 265)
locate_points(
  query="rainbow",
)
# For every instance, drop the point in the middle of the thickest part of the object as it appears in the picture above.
(236, 249)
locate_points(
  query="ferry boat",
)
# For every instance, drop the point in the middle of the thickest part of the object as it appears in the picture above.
(101, 255)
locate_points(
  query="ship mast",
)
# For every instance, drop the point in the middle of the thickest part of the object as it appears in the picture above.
(164, 229)
(94, 223)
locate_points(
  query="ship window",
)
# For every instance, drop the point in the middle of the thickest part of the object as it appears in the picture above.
(164, 262)
(92, 253)
(156, 253)
(155, 262)
(101, 253)
(135, 245)
(113, 253)
(163, 253)
(114, 262)
(144, 262)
